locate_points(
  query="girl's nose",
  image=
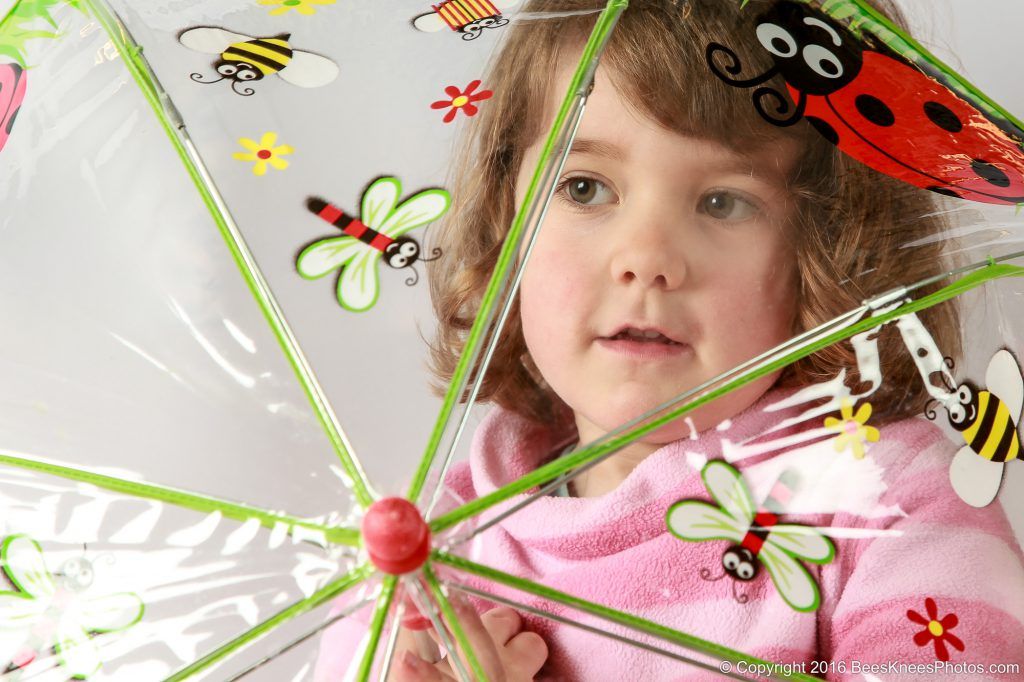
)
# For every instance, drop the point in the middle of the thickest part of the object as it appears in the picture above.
(649, 258)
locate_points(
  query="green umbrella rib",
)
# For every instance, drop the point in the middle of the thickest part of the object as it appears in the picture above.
(667, 634)
(497, 290)
(175, 129)
(299, 528)
(321, 596)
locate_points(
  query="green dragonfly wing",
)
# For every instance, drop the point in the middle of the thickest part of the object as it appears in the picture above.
(359, 284)
(793, 581)
(694, 520)
(320, 258)
(379, 200)
(108, 612)
(803, 542)
(22, 561)
(418, 210)
(76, 650)
(727, 486)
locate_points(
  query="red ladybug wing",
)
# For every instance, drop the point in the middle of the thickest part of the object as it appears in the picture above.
(899, 121)
(12, 92)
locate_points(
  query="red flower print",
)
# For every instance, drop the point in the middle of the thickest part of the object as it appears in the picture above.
(461, 99)
(936, 629)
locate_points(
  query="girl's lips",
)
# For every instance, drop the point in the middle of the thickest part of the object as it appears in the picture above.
(644, 350)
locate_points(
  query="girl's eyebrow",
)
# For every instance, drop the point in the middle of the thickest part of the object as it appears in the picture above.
(597, 148)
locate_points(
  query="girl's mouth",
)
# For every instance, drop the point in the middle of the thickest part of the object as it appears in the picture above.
(643, 344)
(643, 336)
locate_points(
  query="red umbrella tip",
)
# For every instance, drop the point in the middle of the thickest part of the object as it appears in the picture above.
(396, 536)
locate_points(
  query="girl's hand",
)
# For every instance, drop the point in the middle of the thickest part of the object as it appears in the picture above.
(504, 650)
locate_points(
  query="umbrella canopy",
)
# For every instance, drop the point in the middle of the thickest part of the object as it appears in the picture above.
(203, 471)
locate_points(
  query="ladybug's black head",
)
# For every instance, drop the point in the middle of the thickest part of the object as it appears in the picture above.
(963, 407)
(402, 252)
(740, 563)
(815, 55)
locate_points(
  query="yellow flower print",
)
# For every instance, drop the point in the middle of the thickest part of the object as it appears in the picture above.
(852, 428)
(264, 152)
(306, 7)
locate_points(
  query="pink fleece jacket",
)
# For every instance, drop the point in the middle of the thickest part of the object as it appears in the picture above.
(908, 552)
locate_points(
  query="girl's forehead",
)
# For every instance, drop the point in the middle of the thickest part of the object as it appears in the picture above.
(617, 128)
(615, 101)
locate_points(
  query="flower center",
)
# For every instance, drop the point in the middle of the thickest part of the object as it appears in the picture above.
(852, 426)
(460, 101)
(264, 153)
(935, 627)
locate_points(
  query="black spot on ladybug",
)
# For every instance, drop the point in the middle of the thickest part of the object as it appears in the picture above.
(945, 191)
(940, 115)
(875, 110)
(990, 173)
(824, 129)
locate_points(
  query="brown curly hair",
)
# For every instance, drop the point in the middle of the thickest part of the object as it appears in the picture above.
(849, 244)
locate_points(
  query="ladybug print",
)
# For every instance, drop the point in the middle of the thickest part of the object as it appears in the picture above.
(876, 108)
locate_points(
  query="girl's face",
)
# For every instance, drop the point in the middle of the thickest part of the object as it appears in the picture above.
(664, 260)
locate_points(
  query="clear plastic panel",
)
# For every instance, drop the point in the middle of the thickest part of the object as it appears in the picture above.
(757, 400)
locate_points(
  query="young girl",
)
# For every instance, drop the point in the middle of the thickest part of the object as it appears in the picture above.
(686, 236)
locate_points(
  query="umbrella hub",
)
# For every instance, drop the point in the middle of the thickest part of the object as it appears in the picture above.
(396, 535)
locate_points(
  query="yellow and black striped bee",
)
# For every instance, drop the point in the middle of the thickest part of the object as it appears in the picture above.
(987, 419)
(246, 59)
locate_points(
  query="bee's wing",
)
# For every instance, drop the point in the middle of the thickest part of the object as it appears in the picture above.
(76, 650)
(693, 520)
(429, 23)
(359, 284)
(421, 209)
(108, 612)
(23, 562)
(1003, 378)
(379, 200)
(802, 541)
(320, 258)
(975, 479)
(308, 70)
(794, 583)
(210, 40)
(726, 485)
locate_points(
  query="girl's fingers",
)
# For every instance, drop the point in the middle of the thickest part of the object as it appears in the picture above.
(524, 655)
(412, 668)
(483, 647)
(502, 623)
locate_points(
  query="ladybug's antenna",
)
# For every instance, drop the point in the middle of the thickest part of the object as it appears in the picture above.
(780, 106)
(733, 67)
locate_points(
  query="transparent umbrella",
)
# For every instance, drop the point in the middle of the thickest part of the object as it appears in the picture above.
(218, 477)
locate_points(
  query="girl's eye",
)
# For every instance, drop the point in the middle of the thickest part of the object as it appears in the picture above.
(587, 191)
(727, 206)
